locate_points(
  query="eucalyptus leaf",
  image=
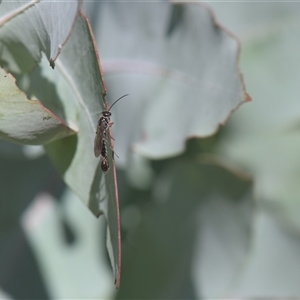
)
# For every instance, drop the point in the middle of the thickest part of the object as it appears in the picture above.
(80, 89)
(26, 121)
(179, 67)
(197, 227)
(71, 271)
(73, 92)
(272, 267)
(29, 27)
(265, 137)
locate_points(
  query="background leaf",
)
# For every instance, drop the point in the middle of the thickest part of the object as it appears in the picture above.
(75, 97)
(21, 178)
(181, 83)
(26, 121)
(69, 268)
(265, 140)
(83, 80)
(191, 199)
(29, 27)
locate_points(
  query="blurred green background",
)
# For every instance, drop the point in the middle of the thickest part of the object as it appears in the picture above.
(217, 220)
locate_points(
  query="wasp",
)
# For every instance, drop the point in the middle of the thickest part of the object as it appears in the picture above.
(101, 139)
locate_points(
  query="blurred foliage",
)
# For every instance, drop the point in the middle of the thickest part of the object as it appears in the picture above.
(215, 216)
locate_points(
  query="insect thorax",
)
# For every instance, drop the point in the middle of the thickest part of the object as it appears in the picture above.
(102, 120)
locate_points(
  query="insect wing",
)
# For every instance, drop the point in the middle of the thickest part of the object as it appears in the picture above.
(99, 137)
(103, 145)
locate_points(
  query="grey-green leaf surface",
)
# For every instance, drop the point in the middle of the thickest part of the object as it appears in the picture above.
(29, 27)
(179, 67)
(273, 265)
(71, 271)
(265, 137)
(26, 121)
(197, 227)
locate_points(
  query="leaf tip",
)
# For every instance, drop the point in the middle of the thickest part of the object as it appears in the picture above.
(247, 98)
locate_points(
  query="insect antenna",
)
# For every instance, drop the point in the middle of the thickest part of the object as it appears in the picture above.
(117, 101)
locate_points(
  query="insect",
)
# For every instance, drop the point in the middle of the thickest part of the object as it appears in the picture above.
(100, 143)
